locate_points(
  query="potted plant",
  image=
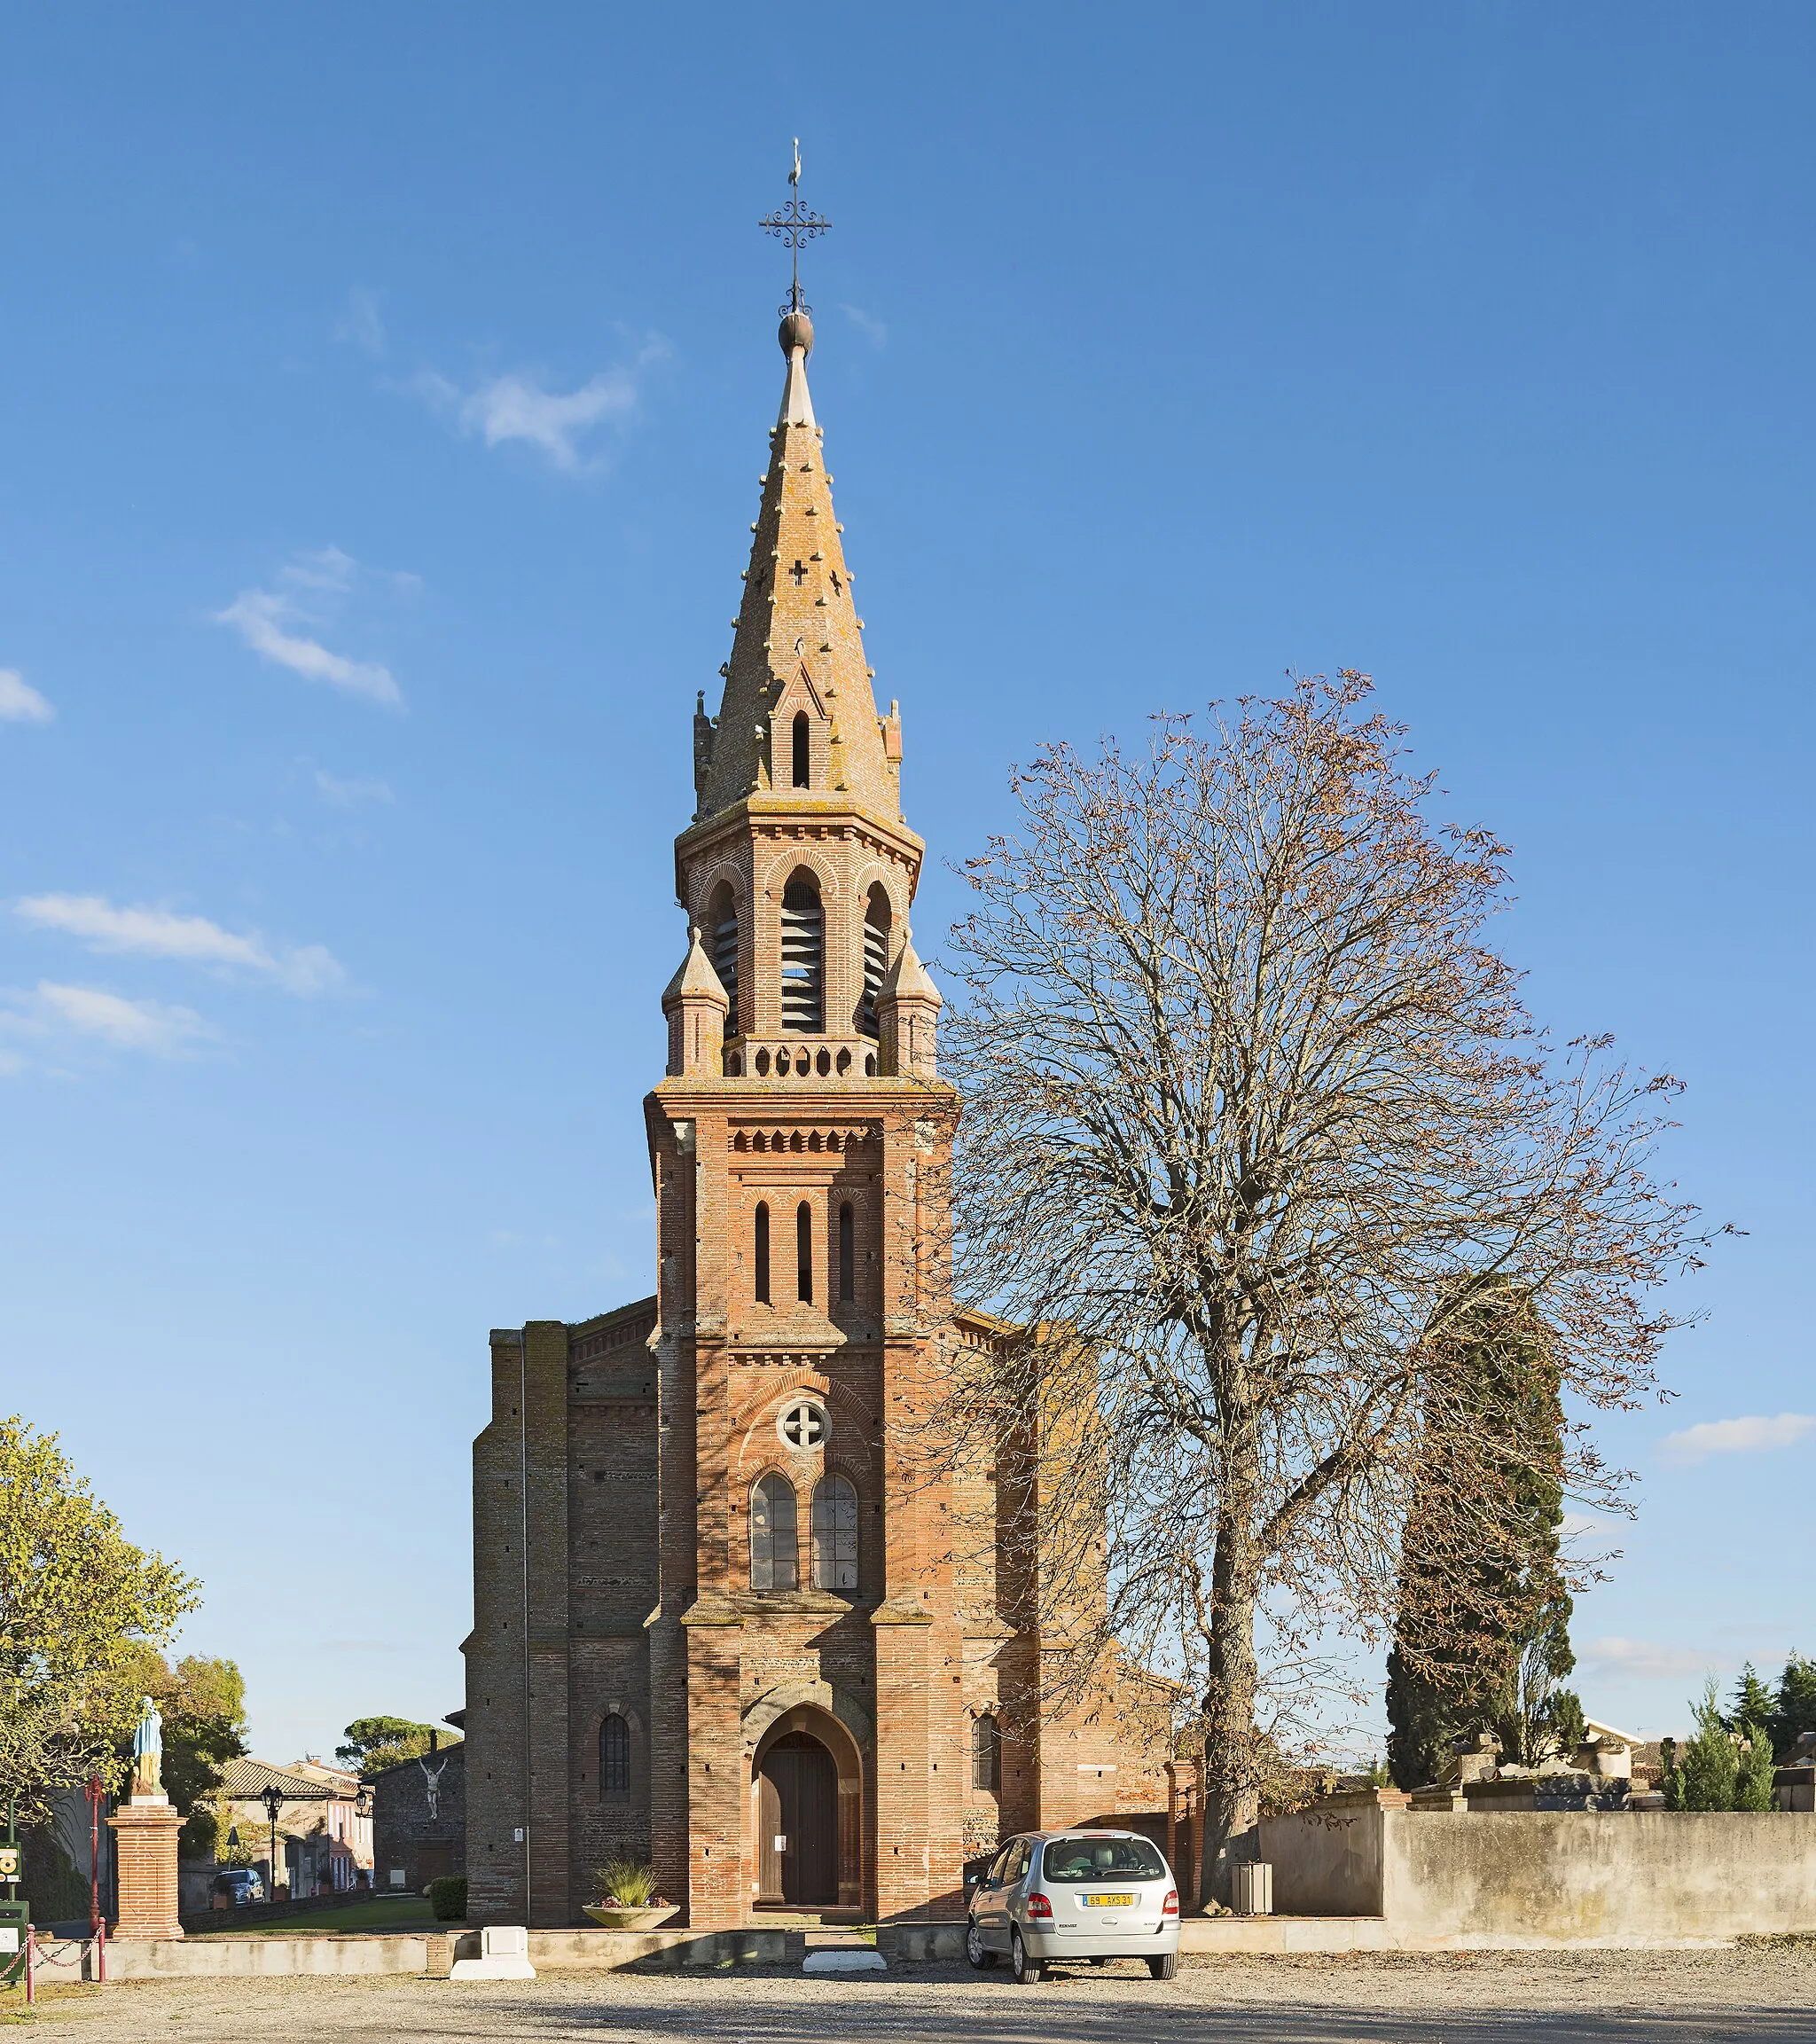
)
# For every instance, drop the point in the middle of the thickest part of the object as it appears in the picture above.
(627, 1900)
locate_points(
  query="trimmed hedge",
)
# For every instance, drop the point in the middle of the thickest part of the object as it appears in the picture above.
(448, 1898)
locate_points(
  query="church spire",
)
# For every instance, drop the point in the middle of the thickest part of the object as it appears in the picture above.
(797, 720)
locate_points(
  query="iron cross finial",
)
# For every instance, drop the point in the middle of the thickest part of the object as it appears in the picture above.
(795, 227)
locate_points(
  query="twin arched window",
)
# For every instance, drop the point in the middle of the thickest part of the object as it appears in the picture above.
(614, 1757)
(803, 1253)
(775, 1559)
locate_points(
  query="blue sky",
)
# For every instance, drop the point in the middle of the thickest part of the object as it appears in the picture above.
(383, 392)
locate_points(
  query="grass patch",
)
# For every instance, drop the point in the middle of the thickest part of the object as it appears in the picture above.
(376, 1913)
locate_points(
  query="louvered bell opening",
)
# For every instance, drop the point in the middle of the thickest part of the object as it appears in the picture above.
(876, 963)
(725, 964)
(804, 1004)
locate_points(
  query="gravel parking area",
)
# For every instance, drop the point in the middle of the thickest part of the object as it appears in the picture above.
(1498, 1997)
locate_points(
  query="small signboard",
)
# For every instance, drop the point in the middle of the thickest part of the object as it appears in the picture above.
(9, 1862)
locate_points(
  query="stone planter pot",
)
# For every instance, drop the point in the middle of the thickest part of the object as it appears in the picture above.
(628, 1919)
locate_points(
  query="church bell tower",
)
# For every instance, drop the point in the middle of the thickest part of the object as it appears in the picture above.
(804, 1648)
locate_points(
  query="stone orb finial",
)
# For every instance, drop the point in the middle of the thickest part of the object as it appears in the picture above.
(796, 331)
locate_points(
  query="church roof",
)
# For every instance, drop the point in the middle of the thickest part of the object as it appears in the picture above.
(799, 618)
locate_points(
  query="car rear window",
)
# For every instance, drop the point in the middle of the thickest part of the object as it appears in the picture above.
(1098, 1858)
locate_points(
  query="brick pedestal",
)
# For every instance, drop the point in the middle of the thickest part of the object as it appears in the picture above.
(145, 1844)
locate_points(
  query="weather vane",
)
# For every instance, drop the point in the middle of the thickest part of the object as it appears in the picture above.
(795, 228)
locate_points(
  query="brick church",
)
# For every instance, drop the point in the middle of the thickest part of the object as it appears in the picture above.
(727, 1618)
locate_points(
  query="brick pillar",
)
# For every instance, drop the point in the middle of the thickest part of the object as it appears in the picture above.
(904, 1856)
(718, 1896)
(145, 1848)
(548, 1747)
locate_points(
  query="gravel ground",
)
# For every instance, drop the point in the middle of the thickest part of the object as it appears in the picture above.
(1500, 1998)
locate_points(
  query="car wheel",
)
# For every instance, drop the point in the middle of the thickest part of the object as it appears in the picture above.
(1100, 1962)
(975, 1950)
(1028, 1972)
(1165, 1968)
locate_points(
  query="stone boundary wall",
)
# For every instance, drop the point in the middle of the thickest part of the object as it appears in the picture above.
(1510, 1879)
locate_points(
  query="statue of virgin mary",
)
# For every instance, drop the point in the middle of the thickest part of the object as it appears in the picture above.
(148, 1755)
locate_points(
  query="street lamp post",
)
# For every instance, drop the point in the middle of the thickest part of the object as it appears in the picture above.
(273, 1800)
(96, 1794)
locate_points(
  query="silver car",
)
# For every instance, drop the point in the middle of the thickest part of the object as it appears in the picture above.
(1049, 1897)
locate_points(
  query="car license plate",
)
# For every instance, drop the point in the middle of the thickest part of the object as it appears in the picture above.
(1110, 1901)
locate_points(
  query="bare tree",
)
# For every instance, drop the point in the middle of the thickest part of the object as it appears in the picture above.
(1252, 1110)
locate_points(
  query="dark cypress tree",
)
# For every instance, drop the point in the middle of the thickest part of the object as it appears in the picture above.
(1795, 1711)
(1482, 1635)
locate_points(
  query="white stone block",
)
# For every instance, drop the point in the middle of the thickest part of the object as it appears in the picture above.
(846, 1959)
(504, 1955)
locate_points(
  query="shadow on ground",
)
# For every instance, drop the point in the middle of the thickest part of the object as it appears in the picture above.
(1111, 2010)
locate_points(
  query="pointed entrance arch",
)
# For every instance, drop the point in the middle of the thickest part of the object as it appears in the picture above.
(797, 1820)
(807, 1813)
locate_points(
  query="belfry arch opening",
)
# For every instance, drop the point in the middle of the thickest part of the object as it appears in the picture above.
(722, 944)
(804, 955)
(876, 958)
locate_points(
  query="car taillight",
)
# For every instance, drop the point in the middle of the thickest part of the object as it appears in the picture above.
(1038, 1905)
(1170, 1907)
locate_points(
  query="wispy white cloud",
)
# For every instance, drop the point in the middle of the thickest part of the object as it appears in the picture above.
(1742, 1436)
(19, 701)
(159, 932)
(874, 330)
(1652, 1660)
(360, 324)
(351, 794)
(520, 406)
(53, 1014)
(308, 592)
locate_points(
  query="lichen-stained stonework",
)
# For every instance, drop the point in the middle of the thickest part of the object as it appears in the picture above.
(728, 1617)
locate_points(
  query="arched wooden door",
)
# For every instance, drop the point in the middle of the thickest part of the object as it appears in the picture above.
(797, 1806)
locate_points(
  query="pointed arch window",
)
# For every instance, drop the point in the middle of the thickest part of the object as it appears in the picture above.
(804, 751)
(803, 957)
(847, 1254)
(834, 1534)
(760, 1248)
(803, 1252)
(722, 931)
(614, 1757)
(987, 1753)
(876, 958)
(775, 1561)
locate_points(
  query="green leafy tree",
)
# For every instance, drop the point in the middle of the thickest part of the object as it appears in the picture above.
(202, 1702)
(1794, 1712)
(79, 1603)
(375, 1743)
(1482, 1634)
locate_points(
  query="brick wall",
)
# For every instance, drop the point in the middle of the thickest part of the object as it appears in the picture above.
(406, 1834)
